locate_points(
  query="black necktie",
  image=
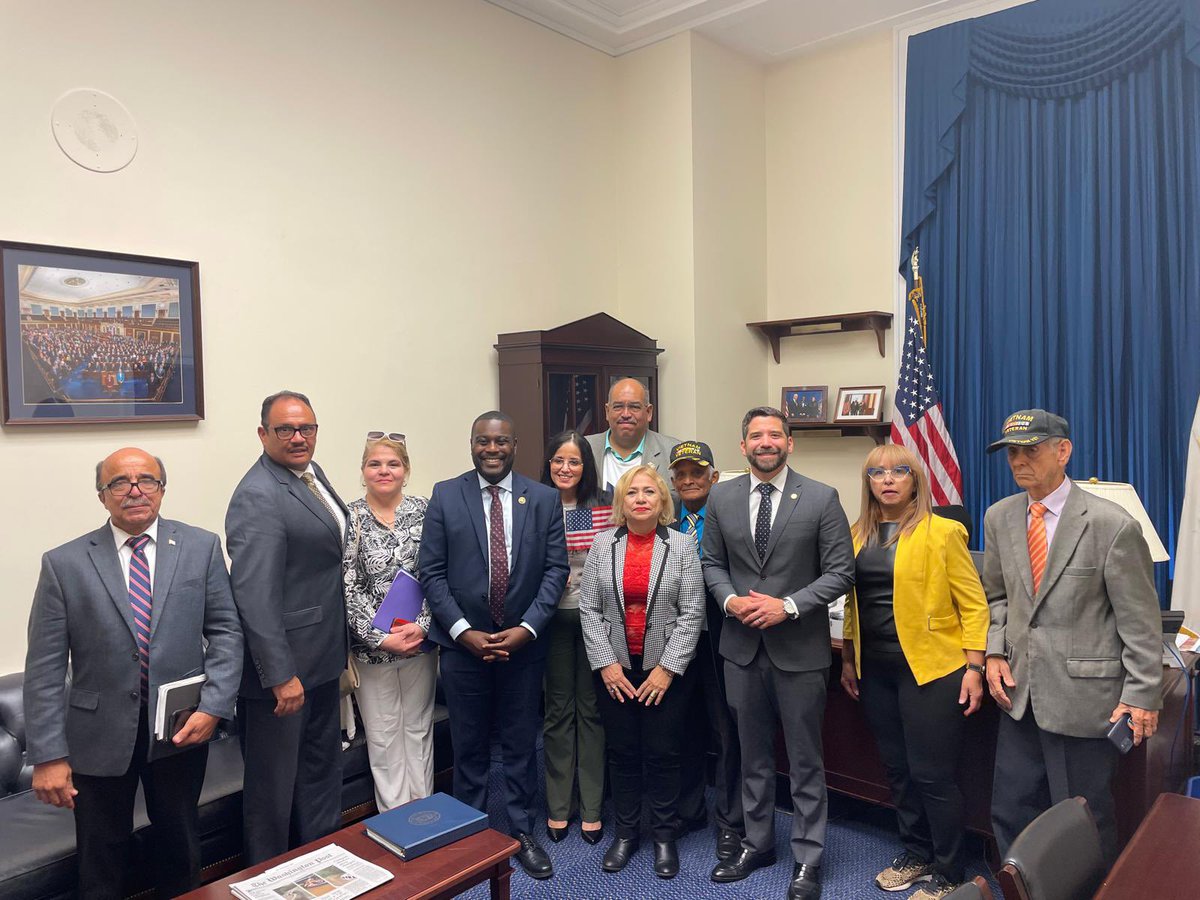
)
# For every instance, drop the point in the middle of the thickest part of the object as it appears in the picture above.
(762, 525)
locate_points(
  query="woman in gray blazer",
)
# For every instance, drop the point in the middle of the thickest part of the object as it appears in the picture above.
(641, 603)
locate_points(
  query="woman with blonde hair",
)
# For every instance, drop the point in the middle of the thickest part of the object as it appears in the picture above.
(640, 606)
(396, 676)
(913, 653)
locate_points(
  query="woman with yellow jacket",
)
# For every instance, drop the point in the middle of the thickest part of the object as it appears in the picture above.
(912, 653)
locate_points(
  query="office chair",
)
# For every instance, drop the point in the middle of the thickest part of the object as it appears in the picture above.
(975, 889)
(1056, 857)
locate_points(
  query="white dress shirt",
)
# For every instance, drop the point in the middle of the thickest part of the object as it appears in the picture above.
(1054, 503)
(506, 501)
(338, 515)
(125, 552)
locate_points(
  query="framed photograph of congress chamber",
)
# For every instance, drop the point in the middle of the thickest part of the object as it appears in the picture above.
(858, 405)
(806, 405)
(89, 336)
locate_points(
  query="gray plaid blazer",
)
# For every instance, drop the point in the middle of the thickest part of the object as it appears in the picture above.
(674, 607)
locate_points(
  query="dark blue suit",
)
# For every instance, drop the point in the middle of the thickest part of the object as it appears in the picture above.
(503, 695)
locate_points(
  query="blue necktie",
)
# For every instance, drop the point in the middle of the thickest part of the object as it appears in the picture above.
(142, 602)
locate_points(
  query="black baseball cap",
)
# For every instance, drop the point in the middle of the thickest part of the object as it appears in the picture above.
(696, 451)
(1026, 427)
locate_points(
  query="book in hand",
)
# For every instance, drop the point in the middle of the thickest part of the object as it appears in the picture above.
(177, 700)
(421, 826)
(402, 603)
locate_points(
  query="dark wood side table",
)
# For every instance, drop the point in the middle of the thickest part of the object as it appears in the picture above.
(1160, 861)
(438, 875)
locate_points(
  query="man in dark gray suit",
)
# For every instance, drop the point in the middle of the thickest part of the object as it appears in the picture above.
(285, 526)
(127, 608)
(1075, 639)
(629, 442)
(777, 552)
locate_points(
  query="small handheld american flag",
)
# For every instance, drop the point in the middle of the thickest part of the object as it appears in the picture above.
(584, 524)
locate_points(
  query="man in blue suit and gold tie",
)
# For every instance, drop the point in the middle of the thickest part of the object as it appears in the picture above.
(140, 602)
(493, 565)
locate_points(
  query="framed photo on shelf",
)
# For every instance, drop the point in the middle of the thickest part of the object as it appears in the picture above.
(806, 405)
(859, 405)
(89, 336)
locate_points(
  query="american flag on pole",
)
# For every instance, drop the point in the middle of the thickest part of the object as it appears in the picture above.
(917, 420)
(584, 524)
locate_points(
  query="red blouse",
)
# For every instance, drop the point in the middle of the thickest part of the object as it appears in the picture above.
(639, 551)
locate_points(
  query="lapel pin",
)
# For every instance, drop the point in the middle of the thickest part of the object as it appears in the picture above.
(794, 496)
(521, 500)
(171, 541)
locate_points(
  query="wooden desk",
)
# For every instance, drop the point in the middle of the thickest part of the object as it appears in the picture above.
(1160, 861)
(853, 767)
(438, 875)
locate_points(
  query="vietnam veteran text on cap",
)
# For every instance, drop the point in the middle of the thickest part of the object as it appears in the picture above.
(696, 451)
(1030, 426)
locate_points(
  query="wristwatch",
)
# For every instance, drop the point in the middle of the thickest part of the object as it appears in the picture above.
(789, 607)
(976, 667)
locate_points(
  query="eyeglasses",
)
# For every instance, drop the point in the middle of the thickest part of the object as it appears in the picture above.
(563, 463)
(390, 435)
(875, 473)
(285, 432)
(120, 487)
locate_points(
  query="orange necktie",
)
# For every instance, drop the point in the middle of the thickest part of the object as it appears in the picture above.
(1037, 543)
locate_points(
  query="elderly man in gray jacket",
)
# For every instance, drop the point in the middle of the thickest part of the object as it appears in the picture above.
(1074, 642)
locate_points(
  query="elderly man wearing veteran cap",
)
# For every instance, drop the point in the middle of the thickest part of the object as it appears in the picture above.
(693, 474)
(1074, 638)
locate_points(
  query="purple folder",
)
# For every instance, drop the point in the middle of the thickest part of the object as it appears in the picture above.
(402, 603)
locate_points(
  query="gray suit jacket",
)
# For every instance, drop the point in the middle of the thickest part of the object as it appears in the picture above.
(286, 569)
(656, 452)
(1090, 636)
(674, 607)
(809, 558)
(81, 619)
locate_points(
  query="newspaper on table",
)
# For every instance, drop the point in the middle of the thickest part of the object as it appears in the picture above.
(330, 873)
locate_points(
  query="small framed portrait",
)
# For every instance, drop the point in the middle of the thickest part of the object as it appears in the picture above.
(859, 405)
(806, 404)
(91, 336)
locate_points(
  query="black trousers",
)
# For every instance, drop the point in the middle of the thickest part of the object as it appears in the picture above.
(644, 746)
(104, 821)
(292, 790)
(919, 731)
(710, 726)
(1036, 769)
(503, 695)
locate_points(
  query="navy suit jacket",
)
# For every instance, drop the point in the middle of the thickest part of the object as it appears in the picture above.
(454, 556)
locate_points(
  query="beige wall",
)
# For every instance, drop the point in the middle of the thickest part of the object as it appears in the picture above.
(830, 242)
(374, 190)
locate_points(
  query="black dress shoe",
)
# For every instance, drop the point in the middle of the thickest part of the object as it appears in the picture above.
(619, 852)
(729, 842)
(557, 834)
(593, 836)
(740, 865)
(806, 883)
(666, 859)
(533, 859)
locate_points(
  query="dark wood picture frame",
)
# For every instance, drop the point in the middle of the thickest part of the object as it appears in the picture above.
(846, 395)
(798, 407)
(91, 336)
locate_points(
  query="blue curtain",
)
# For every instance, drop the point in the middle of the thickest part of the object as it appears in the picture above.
(1052, 183)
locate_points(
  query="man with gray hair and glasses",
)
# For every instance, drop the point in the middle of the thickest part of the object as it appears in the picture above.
(629, 442)
(140, 602)
(285, 527)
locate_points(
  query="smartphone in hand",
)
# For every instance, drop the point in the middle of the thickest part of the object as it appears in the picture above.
(1120, 734)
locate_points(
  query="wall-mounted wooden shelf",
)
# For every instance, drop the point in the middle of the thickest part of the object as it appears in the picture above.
(875, 321)
(877, 431)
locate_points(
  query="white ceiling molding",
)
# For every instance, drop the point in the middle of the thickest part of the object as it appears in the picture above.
(769, 31)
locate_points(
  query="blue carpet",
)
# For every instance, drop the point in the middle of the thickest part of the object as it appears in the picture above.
(861, 841)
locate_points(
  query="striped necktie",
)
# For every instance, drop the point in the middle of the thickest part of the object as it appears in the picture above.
(142, 602)
(692, 520)
(1038, 548)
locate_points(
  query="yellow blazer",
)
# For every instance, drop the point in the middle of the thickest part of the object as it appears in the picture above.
(938, 601)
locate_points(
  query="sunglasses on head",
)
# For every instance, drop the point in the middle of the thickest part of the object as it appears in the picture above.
(390, 435)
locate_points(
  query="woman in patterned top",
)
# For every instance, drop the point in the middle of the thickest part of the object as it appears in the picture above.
(573, 744)
(396, 678)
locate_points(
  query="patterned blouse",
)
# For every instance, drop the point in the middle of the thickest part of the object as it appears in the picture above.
(373, 555)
